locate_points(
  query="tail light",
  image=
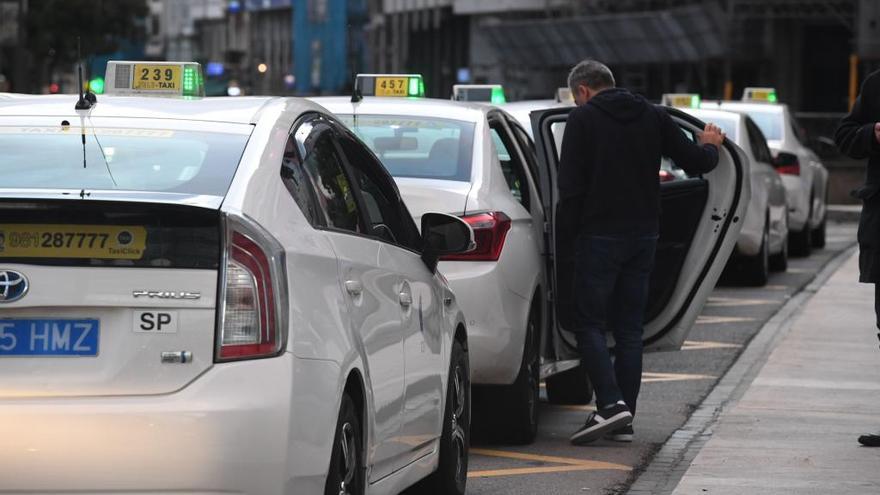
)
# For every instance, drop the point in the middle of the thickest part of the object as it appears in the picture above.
(252, 306)
(794, 169)
(666, 176)
(787, 163)
(490, 231)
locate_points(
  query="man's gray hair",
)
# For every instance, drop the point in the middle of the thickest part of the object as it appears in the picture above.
(593, 74)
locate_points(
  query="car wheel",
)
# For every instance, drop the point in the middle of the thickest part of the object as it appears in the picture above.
(819, 234)
(451, 475)
(801, 243)
(570, 387)
(757, 268)
(779, 261)
(521, 401)
(346, 474)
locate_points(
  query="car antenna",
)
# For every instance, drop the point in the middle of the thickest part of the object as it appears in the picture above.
(86, 98)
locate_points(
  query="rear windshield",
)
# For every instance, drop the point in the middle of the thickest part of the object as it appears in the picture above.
(770, 123)
(155, 160)
(421, 147)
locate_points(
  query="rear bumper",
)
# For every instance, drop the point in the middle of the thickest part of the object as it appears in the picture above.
(496, 319)
(226, 432)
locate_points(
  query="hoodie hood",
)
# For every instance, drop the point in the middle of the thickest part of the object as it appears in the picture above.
(620, 104)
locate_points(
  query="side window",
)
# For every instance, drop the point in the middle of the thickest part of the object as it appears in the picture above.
(758, 142)
(300, 185)
(528, 149)
(388, 221)
(323, 164)
(511, 167)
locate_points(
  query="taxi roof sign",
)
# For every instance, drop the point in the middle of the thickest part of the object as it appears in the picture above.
(564, 95)
(153, 78)
(388, 85)
(681, 100)
(764, 95)
(490, 93)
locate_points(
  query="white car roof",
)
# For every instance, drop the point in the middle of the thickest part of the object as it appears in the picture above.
(244, 110)
(432, 107)
(742, 106)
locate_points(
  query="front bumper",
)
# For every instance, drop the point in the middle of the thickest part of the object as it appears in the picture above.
(496, 319)
(226, 432)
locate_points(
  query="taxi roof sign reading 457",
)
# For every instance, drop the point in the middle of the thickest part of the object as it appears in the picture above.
(149, 78)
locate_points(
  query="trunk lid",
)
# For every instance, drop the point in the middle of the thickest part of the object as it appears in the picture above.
(120, 297)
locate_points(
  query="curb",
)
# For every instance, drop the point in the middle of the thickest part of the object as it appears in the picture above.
(844, 213)
(669, 465)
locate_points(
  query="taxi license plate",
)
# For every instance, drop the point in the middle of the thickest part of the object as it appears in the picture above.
(49, 337)
(391, 86)
(72, 241)
(154, 77)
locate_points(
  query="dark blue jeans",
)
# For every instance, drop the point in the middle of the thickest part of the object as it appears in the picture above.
(611, 291)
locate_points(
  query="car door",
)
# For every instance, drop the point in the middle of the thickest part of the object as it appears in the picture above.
(699, 226)
(368, 282)
(418, 301)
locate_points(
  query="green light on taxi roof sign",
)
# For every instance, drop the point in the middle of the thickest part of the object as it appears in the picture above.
(772, 97)
(96, 85)
(414, 87)
(498, 95)
(695, 101)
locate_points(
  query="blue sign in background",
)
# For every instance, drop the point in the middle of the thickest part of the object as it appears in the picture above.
(49, 337)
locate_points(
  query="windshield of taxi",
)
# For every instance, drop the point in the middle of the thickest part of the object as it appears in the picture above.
(418, 147)
(120, 158)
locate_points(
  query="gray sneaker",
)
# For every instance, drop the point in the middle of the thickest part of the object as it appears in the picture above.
(602, 422)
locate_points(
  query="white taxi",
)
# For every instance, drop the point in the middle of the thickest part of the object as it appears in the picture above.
(204, 295)
(763, 242)
(475, 161)
(804, 175)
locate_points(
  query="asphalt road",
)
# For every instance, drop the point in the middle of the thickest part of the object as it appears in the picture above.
(674, 384)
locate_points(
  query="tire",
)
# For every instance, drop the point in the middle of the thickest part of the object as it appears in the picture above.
(520, 403)
(571, 387)
(819, 234)
(756, 269)
(450, 478)
(779, 261)
(346, 474)
(801, 243)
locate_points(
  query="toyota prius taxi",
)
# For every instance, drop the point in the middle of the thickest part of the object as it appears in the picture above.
(206, 295)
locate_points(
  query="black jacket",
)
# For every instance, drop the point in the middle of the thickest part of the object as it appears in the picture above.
(855, 138)
(610, 161)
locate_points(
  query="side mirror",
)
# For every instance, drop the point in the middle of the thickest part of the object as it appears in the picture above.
(444, 234)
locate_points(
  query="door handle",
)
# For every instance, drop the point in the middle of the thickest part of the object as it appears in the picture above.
(354, 287)
(405, 299)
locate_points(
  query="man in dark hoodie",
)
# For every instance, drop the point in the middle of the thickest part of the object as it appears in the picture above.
(858, 136)
(609, 185)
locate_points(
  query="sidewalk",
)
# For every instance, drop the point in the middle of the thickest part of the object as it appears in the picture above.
(794, 429)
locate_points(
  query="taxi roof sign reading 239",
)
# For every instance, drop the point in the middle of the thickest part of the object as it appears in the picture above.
(394, 85)
(151, 78)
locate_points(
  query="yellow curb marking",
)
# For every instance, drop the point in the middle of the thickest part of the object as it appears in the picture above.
(709, 320)
(568, 464)
(573, 407)
(699, 345)
(728, 302)
(775, 287)
(673, 377)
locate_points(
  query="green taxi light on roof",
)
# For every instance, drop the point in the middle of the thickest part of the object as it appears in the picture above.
(772, 97)
(498, 95)
(96, 85)
(414, 86)
(695, 101)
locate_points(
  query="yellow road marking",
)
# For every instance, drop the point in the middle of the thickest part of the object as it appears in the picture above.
(574, 407)
(727, 302)
(775, 287)
(709, 320)
(673, 377)
(699, 345)
(568, 464)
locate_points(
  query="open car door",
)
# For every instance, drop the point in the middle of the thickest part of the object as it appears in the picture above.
(699, 226)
